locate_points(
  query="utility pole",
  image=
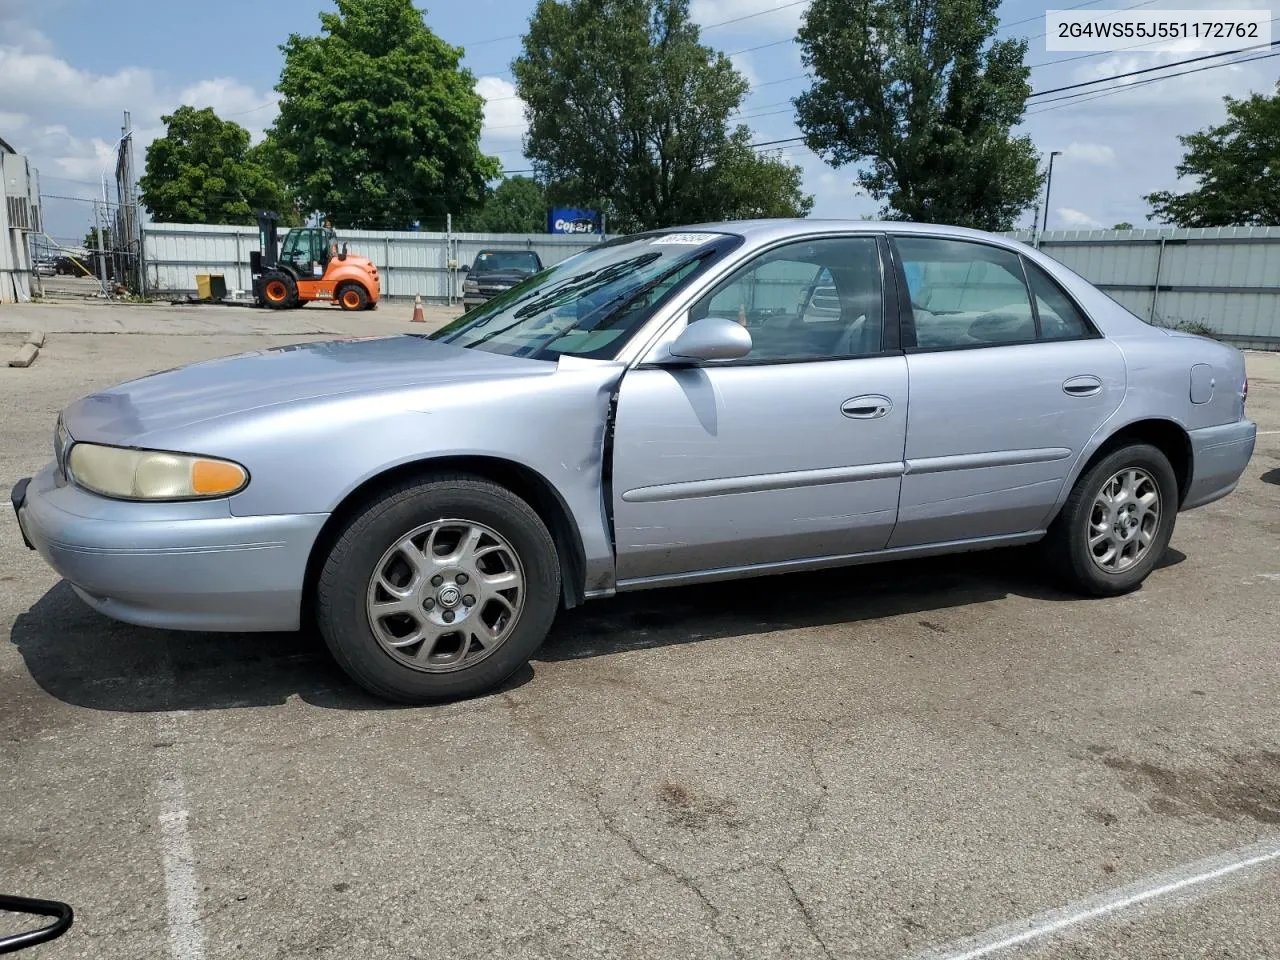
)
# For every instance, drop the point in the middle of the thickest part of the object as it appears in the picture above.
(1048, 185)
(102, 253)
(450, 255)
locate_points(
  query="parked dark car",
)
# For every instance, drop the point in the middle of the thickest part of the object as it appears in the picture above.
(495, 272)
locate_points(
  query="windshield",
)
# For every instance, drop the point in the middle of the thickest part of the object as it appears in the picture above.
(592, 303)
(506, 260)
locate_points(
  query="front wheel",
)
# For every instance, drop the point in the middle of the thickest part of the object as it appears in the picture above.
(1116, 525)
(438, 590)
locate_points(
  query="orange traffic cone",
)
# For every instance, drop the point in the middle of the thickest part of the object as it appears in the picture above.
(417, 311)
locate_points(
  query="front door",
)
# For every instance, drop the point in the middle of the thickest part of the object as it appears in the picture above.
(1007, 388)
(794, 451)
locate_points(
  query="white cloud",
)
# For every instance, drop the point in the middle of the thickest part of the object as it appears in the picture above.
(1074, 220)
(779, 17)
(233, 100)
(16, 32)
(1094, 153)
(67, 119)
(742, 63)
(503, 110)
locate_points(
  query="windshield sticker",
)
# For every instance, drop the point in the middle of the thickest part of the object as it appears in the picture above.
(683, 239)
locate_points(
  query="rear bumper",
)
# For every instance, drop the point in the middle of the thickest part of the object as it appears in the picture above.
(147, 564)
(1219, 456)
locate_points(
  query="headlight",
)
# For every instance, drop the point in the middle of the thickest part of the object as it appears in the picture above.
(152, 474)
(470, 286)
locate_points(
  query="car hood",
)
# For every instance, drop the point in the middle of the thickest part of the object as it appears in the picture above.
(125, 414)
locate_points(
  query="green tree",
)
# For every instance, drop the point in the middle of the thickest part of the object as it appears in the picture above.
(1237, 168)
(920, 97)
(91, 240)
(516, 205)
(1123, 225)
(203, 170)
(629, 113)
(381, 122)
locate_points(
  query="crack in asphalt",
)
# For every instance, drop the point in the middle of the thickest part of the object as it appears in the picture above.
(712, 911)
(810, 920)
(687, 882)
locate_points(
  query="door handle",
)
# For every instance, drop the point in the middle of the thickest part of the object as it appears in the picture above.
(871, 407)
(1085, 386)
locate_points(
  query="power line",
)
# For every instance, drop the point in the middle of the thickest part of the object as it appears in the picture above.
(1135, 73)
(1097, 95)
(709, 26)
(1132, 6)
(761, 13)
(1078, 98)
(799, 3)
(261, 106)
(1018, 23)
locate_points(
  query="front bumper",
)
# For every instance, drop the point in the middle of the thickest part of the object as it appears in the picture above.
(1219, 456)
(177, 566)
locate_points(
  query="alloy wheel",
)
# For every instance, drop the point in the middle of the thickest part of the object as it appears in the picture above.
(446, 595)
(1124, 520)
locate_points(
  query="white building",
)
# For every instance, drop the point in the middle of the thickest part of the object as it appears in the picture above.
(19, 217)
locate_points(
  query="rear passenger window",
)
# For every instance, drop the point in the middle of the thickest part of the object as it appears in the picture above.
(965, 294)
(1059, 318)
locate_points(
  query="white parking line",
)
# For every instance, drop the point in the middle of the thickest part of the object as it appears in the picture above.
(1165, 884)
(186, 941)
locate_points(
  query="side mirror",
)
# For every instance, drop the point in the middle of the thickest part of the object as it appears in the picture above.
(465, 267)
(711, 338)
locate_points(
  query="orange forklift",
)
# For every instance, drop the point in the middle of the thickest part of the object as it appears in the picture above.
(309, 266)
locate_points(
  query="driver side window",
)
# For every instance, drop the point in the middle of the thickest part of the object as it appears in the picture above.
(811, 300)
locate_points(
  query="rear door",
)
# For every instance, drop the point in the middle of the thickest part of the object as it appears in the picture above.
(1006, 390)
(793, 452)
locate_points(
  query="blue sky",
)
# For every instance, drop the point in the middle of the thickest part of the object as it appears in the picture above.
(69, 67)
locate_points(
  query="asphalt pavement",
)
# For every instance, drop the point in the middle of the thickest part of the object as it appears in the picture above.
(945, 758)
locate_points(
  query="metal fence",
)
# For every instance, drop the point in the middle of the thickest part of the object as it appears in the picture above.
(1225, 278)
(409, 264)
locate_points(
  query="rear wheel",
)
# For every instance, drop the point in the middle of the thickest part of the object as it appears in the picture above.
(1116, 524)
(279, 291)
(352, 296)
(438, 590)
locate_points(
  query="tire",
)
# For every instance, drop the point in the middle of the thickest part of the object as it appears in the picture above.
(491, 637)
(352, 296)
(1128, 540)
(279, 291)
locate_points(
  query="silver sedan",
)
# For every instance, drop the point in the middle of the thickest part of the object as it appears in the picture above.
(686, 405)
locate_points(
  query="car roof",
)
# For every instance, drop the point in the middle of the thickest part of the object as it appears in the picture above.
(779, 229)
